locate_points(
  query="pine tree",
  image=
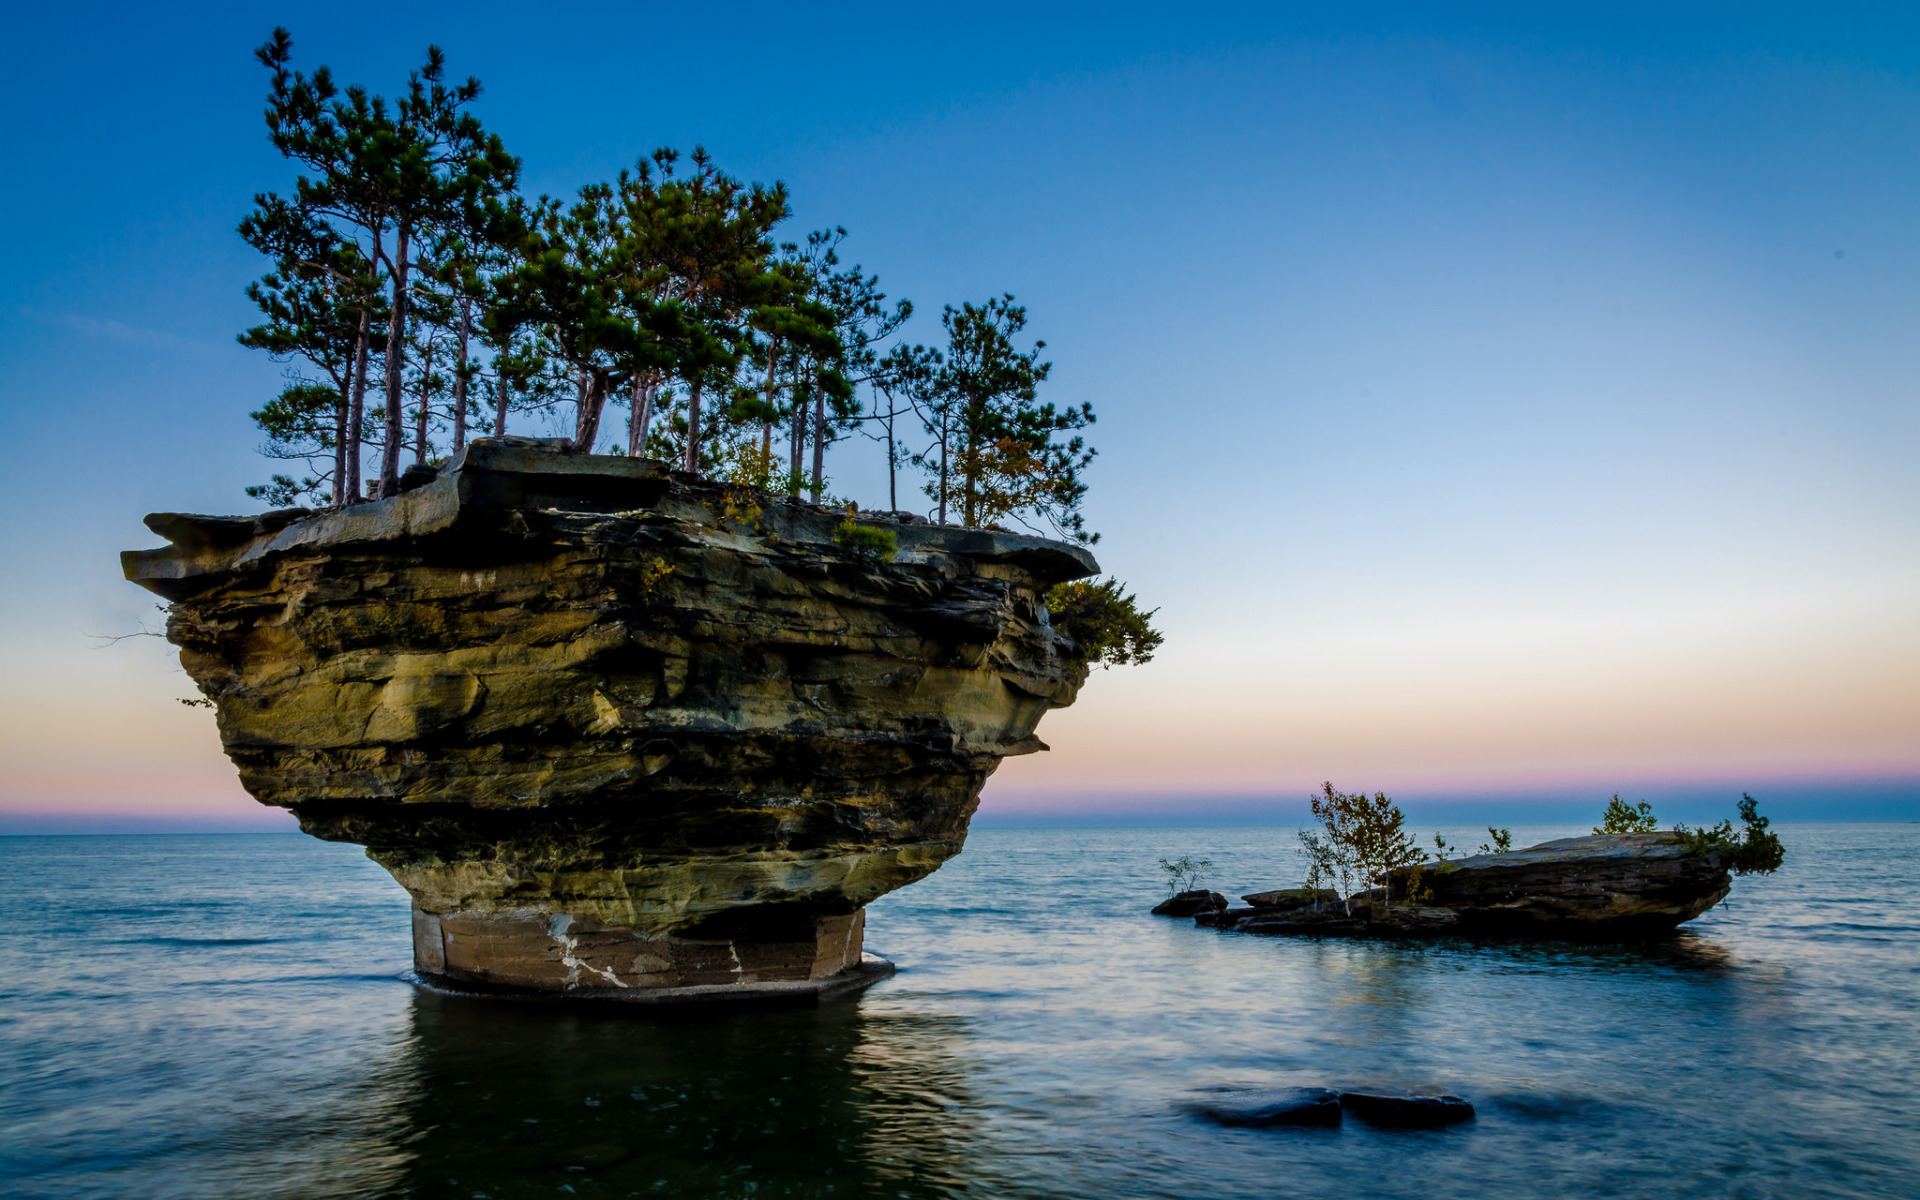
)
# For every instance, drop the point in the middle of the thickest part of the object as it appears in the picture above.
(458, 285)
(904, 382)
(861, 320)
(996, 449)
(646, 281)
(319, 307)
(323, 304)
(576, 297)
(389, 177)
(703, 239)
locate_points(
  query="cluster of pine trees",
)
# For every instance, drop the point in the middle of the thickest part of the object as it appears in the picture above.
(424, 301)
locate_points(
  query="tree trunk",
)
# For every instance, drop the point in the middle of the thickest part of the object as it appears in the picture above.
(644, 387)
(340, 411)
(420, 412)
(396, 362)
(593, 388)
(460, 378)
(579, 405)
(766, 411)
(503, 392)
(357, 407)
(893, 463)
(945, 433)
(819, 444)
(969, 462)
(797, 447)
(690, 461)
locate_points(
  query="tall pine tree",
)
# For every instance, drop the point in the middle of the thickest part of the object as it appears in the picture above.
(388, 176)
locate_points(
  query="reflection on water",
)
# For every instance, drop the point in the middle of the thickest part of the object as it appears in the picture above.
(225, 1017)
(509, 1100)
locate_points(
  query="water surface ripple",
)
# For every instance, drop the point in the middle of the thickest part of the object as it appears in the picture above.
(223, 1016)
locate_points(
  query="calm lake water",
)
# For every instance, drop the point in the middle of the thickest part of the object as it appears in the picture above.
(223, 1016)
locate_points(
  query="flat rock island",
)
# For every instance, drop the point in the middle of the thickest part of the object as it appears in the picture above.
(1608, 886)
(620, 731)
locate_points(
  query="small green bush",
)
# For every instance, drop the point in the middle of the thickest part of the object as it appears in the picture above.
(1105, 623)
(1184, 873)
(868, 541)
(1754, 852)
(1359, 838)
(1621, 817)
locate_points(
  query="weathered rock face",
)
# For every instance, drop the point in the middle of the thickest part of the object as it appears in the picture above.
(611, 726)
(1621, 883)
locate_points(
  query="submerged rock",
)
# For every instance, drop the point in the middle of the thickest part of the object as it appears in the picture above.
(1186, 904)
(1406, 1112)
(1271, 1106)
(614, 727)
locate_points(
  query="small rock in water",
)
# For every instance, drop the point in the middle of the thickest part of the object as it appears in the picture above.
(1186, 904)
(1406, 1112)
(1272, 1106)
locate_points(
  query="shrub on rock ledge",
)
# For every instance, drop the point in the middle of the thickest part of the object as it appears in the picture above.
(1105, 623)
(1754, 852)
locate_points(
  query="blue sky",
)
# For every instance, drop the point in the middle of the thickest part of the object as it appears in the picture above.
(1501, 410)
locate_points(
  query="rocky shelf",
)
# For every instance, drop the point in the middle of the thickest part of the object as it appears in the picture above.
(616, 728)
(1622, 885)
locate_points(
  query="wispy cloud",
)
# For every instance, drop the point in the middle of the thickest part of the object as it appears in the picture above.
(108, 329)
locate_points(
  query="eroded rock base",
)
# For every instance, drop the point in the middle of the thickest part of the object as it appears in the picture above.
(565, 953)
(871, 969)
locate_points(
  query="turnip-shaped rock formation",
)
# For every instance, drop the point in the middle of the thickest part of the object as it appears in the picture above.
(616, 729)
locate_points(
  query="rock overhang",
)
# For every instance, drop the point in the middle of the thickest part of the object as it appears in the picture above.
(542, 685)
(494, 478)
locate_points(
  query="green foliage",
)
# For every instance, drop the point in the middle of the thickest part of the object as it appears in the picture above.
(1754, 852)
(868, 541)
(1104, 622)
(1359, 836)
(653, 574)
(997, 451)
(300, 426)
(409, 271)
(1417, 891)
(1184, 873)
(741, 505)
(751, 467)
(1329, 865)
(385, 181)
(1620, 817)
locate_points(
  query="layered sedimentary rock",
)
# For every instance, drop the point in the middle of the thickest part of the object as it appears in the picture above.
(1605, 885)
(614, 727)
(1611, 883)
